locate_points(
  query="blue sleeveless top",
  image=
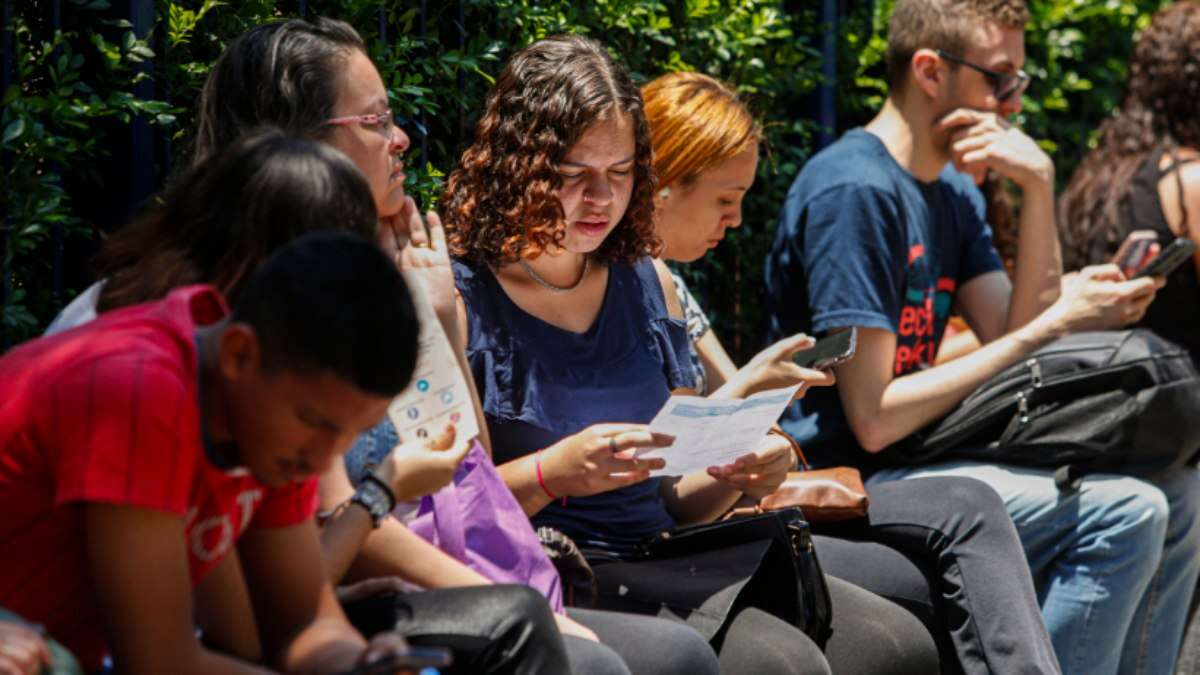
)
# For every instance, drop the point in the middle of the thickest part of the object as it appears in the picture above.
(540, 383)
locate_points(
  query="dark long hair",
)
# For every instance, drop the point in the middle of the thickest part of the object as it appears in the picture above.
(285, 74)
(500, 203)
(225, 215)
(1158, 111)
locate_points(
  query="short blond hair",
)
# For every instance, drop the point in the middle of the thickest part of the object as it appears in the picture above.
(948, 25)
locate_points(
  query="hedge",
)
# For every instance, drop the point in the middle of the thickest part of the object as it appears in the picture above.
(81, 80)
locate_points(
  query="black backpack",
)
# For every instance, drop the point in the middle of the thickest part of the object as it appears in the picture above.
(1126, 401)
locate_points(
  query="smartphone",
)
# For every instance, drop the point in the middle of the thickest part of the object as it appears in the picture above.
(1169, 259)
(830, 351)
(415, 657)
(1135, 251)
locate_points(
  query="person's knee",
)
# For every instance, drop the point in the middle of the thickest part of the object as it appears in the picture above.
(521, 599)
(757, 642)
(592, 658)
(522, 604)
(1132, 512)
(1181, 487)
(873, 635)
(690, 652)
(960, 494)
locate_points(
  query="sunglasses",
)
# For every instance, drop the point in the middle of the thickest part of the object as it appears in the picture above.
(383, 123)
(1004, 85)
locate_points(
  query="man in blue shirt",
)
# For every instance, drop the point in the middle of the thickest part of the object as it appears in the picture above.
(885, 230)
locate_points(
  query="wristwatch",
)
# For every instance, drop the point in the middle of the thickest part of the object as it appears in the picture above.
(376, 497)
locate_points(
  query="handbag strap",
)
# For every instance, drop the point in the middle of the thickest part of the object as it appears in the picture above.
(778, 431)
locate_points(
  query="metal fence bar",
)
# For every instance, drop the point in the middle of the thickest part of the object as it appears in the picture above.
(827, 95)
(57, 235)
(422, 19)
(462, 77)
(7, 65)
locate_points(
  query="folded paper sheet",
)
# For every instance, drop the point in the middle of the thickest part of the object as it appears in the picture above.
(713, 432)
(438, 394)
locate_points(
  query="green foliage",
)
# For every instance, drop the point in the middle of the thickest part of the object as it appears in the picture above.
(438, 75)
(50, 114)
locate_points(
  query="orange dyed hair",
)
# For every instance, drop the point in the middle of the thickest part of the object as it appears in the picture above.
(696, 123)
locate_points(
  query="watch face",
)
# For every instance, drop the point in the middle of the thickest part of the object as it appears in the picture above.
(374, 498)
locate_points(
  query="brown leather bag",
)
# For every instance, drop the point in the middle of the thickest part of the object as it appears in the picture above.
(823, 495)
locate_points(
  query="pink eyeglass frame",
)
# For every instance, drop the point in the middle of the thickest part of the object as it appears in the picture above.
(366, 119)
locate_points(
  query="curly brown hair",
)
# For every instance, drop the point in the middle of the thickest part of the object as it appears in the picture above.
(500, 203)
(1158, 111)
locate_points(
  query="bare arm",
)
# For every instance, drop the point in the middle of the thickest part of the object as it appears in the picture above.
(395, 550)
(360, 551)
(1038, 278)
(882, 409)
(718, 366)
(224, 613)
(139, 570)
(424, 257)
(348, 527)
(302, 626)
(986, 142)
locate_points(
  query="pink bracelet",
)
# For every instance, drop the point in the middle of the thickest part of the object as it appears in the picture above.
(537, 463)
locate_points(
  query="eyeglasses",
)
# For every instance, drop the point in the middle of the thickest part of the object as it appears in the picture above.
(383, 123)
(1004, 85)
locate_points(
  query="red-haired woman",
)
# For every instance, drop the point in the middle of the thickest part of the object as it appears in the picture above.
(706, 155)
(576, 339)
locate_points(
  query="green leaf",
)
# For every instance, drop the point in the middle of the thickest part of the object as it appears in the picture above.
(13, 131)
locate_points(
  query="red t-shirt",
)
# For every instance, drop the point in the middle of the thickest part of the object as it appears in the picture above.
(109, 412)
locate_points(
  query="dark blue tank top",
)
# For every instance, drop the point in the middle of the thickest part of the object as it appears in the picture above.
(540, 383)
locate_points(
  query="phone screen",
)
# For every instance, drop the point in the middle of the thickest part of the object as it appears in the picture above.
(830, 351)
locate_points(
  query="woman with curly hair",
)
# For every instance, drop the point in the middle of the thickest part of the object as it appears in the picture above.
(575, 338)
(1143, 172)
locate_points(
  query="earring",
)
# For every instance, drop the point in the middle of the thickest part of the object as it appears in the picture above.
(664, 193)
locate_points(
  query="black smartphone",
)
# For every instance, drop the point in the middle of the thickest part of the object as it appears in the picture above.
(1175, 254)
(830, 351)
(414, 658)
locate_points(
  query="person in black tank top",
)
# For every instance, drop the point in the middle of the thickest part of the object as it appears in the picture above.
(1141, 176)
(1172, 314)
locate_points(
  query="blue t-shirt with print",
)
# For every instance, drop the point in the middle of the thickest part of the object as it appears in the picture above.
(862, 242)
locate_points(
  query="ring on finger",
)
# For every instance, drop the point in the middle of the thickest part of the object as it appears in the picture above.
(418, 244)
(612, 444)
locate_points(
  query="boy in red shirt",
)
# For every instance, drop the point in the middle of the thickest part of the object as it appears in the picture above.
(137, 450)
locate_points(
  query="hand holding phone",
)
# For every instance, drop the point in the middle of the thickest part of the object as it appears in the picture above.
(1175, 254)
(830, 351)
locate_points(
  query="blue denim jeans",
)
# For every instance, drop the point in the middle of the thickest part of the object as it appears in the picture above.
(1114, 562)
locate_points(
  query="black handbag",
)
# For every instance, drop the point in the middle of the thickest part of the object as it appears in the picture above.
(790, 583)
(1090, 402)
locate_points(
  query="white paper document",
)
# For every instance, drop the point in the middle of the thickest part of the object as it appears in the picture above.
(438, 393)
(712, 432)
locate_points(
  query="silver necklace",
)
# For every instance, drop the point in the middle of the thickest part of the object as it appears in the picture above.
(549, 286)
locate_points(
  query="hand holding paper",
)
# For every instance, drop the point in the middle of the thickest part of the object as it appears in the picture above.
(714, 432)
